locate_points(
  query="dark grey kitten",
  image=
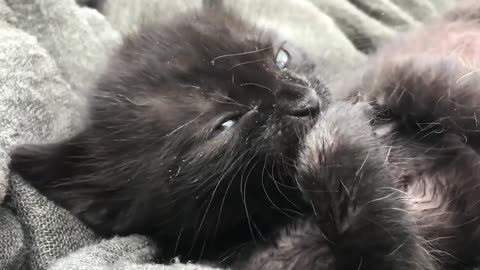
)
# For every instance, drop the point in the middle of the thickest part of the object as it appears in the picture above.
(424, 89)
(191, 139)
(215, 139)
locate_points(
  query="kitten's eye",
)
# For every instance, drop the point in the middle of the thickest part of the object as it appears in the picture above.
(282, 58)
(227, 125)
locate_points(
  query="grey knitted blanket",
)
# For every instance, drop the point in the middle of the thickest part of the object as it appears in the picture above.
(50, 52)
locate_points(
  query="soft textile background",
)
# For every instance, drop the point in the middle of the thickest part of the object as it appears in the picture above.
(52, 50)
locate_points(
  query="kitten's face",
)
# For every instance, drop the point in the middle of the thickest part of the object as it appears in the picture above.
(192, 132)
(207, 84)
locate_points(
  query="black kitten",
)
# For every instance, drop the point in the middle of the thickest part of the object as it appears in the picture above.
(425, 88)
(191, 138)
(194, 137)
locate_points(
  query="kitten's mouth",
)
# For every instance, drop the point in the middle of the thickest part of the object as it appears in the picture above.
(304, 116)
(308, 107)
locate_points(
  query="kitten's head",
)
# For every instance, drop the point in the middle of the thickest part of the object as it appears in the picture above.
(192, 125)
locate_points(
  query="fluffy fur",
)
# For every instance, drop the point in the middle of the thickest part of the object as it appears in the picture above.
(384, 177)
(191, 138)
(398, 189)
(358, 218)
(425, 89)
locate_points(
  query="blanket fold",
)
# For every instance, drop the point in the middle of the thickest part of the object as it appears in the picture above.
(50, 53)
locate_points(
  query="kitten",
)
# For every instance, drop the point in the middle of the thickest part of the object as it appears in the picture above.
(192, 139)
(192, 134)
(425, 90)
(214, 138)
(405, 173)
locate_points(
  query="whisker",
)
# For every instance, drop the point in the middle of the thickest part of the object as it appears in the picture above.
(232, 101)
(243, 186)
(398, 248)
(207, 210)
(248, 62)
(178, 240)
(250, 221)
(266, 192)
(227, 189)
(360, 264)
(239, 54)
(258, 85)
(184, 125)
(277, 185)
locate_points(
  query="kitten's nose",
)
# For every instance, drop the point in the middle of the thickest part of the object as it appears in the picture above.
(307, 106)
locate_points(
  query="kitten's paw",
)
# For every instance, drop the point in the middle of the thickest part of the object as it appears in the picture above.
(343, 175)
(426, 95)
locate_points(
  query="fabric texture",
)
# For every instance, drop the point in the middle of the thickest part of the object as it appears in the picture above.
(51, 52)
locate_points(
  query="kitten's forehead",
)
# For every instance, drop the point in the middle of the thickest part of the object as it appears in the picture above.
(208, 36)
(208, 53)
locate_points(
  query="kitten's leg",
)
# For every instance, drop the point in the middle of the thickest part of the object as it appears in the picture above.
(427, 95)
(430, 79)
(443, 187)
(435, 100)
(358, 220)
(343, 175)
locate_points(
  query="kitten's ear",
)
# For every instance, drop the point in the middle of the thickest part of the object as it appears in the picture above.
(44, 165)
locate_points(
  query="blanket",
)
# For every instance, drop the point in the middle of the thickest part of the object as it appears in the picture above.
(52, 50)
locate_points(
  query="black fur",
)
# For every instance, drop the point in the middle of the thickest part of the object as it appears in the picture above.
(293, 185)
(153, 159)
